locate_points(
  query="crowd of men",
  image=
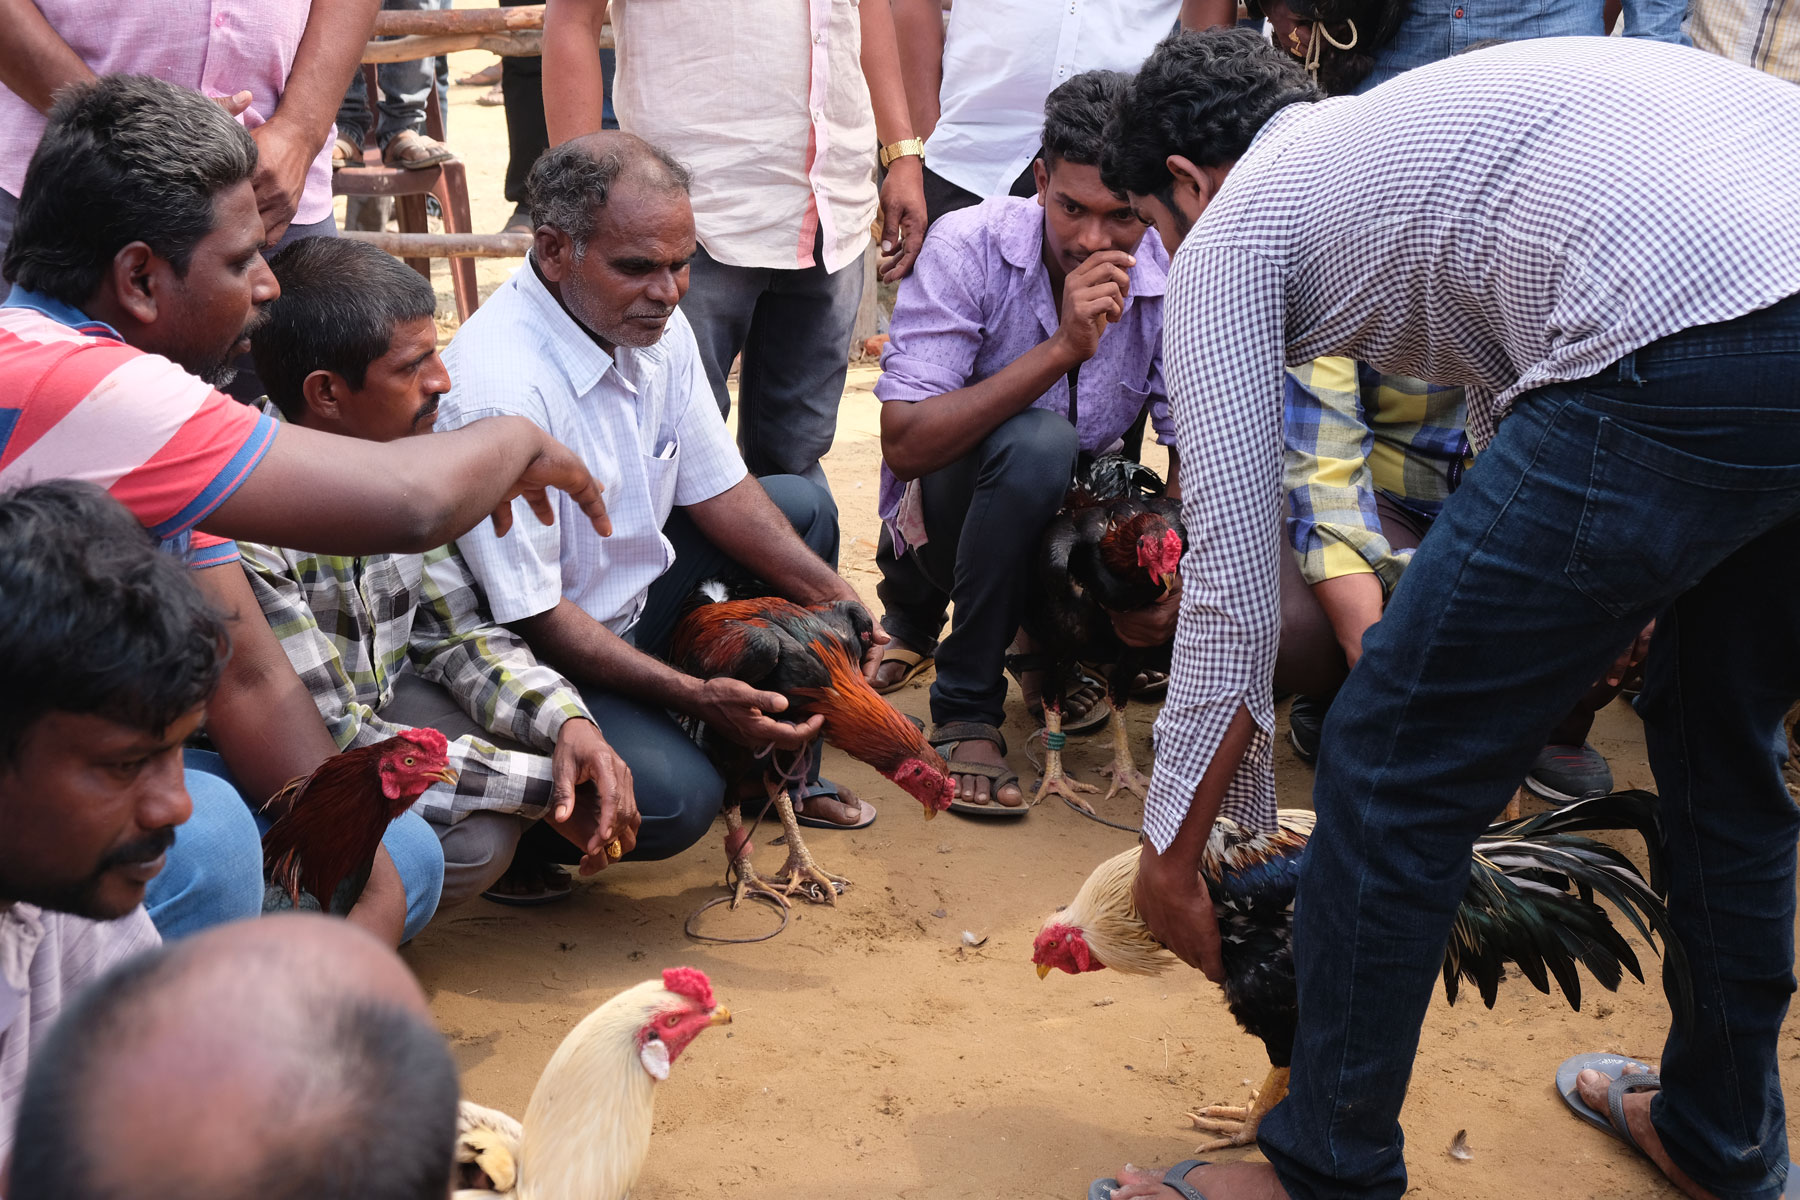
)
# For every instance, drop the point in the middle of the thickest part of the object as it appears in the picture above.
(1539, 301)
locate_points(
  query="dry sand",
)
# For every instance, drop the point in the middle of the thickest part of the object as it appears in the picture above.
(874, 1054)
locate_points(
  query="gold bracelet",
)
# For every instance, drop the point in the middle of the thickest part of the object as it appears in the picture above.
(901, 149)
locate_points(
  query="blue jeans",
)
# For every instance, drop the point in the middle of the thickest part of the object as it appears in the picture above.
(214, 871)
(405, 88)
(1667, 487)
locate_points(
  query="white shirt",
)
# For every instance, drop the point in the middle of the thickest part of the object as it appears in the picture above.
(1003, 57)
(1520, 216)
(644, 421)
(765, 102)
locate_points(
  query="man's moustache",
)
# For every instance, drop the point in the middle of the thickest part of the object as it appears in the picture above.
(145, 849)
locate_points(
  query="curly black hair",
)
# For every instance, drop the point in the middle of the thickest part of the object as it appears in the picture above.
(1203, 96)
(1375, 23)
(1075, 116)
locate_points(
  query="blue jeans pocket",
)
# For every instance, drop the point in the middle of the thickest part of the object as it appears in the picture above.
(1656, 519)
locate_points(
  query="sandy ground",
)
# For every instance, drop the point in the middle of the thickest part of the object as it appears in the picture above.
(873, 1054)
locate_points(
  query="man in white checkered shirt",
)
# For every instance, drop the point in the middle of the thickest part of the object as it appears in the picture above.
(585, 339)
(1600, 239)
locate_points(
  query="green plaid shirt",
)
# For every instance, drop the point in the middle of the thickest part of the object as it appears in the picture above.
(350, 625)
(1351, 432)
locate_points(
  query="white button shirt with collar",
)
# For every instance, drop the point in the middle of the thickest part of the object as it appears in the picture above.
(1002, 58)
(643, 420)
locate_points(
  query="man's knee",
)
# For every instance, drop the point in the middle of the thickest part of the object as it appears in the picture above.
(810, 509)
(477, 851)
(419, 859)
(213, 873)
(678, 797)
(1032, 455)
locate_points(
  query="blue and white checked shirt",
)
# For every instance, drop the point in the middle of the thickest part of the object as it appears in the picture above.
(1520, 216)
(643, 420)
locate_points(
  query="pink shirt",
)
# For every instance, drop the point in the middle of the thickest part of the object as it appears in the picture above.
(217, 47)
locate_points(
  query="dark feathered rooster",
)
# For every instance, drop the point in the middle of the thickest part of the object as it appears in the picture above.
(813, 657)
(1530, 901)
(332, 820)
(1115, 547)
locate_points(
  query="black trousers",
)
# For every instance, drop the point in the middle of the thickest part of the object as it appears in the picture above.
(984, 515)
(942, 196)
(522, 83)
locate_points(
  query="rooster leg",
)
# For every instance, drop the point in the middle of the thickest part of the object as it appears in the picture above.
(800, 873)
(1237, 1123)
(748, 882)
(1055, 778)
(1123, 768)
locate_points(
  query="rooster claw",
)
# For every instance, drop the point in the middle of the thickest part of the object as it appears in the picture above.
(1127, 779)
(749, 883)
(820, 887)
(1068, 789)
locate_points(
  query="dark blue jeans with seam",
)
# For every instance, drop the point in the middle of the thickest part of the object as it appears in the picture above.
(1666, 487)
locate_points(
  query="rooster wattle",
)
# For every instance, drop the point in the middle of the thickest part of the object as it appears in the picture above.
(332, 820)
(1529, 902)
(586, 1131)
(812, 656)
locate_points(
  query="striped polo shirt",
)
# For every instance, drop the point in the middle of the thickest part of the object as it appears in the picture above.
(77, 402)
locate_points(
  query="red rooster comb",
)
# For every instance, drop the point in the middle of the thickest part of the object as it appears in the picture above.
(427, 739)
(690, 982)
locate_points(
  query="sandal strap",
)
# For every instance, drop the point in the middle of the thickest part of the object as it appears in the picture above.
(1018, 664)
(1176, 1177)
(949, 732)
(1617, 1090)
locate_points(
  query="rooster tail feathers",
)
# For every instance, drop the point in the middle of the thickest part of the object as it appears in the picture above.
(1531, 901)
(1633, 809)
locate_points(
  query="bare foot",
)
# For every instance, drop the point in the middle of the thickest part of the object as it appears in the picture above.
(1215, 1181)
(975, 789)
(1593, 1086)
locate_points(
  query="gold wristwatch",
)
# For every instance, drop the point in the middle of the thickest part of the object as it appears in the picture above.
(901, 149)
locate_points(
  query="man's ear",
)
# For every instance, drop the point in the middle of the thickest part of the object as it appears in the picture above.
(323, 391)
(554, 251)
(134, 281)
(1041, 174)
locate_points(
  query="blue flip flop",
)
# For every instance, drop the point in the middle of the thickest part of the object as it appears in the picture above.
(1175, 1177)
(1613, 1120)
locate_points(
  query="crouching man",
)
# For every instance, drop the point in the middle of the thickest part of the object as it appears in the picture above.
(386, 641)
(1029, 330)
(586, 341)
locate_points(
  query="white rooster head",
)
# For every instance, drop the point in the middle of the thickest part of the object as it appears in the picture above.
(675, 1012)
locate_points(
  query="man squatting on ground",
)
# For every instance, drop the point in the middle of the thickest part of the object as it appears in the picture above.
(1557, 227)
(1029, 330)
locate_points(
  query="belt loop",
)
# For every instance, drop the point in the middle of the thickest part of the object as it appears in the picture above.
(1627, 368)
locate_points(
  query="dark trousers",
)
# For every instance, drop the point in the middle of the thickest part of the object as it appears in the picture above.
(793, 328)
(983, 514)
(1311, 663)
(1668, 484)
(522, 84)
(942, 196)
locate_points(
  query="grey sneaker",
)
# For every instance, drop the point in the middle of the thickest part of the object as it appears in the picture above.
(1565, 774)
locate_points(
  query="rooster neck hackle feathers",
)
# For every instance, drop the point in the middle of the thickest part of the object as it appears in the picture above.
(1108, 919)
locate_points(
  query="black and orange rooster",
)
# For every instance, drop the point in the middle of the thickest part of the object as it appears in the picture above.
(331, 821)
(1529, 902)
(1115, 547)
(811, 655)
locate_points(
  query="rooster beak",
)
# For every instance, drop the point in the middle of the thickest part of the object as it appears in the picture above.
(1043, 970)
(720, 1016)
(930, 812)
(447, 775)
(1169, 582)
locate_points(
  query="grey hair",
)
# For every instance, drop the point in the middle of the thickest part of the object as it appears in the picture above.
(126, 158)
(570, 183)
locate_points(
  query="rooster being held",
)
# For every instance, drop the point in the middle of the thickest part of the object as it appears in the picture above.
(1529, 902)
(587, 1129)
(1115, 547)
(331, 822)
(812, 656)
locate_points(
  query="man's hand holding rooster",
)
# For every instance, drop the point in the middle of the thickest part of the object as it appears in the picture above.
(600, 819)
(1150, 626)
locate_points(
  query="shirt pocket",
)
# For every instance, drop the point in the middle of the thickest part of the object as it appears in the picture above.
(661, 472)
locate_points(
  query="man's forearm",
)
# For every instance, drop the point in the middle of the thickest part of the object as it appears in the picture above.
(592, 655)
(744, 523)
(35, 62)
(574, 89)
(882, 72)
(1208, 14)
(329, 53)
(923, 436)
(1184, 852)
(1352, 603)
(1173, 488)
(261, 719)
(919, 31)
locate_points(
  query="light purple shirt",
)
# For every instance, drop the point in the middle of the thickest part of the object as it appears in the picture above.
(216, 47)
(979, 297)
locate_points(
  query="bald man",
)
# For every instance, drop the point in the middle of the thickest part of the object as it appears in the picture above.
(288, 1057)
